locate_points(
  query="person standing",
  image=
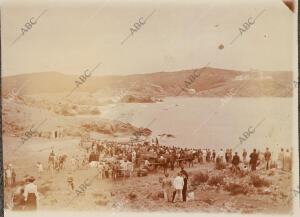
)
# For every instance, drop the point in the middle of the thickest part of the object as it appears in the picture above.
(8, 175)
(253, 160)
(204, 154)
(31, 195)
(213, 155)
(13, 176)
(281, 159)
(70, 181)
(235, 162)
(178, 185)
(227, 155)
(73, 163)
(267, 157)
(287, 161)
(221, 154)
(133, 157)
(200, 157)
(39, 166)
(167, 188)
(51, 160)
(230, 155)
(244, 155)
(172, 160)
(147, 164)
(185, 179)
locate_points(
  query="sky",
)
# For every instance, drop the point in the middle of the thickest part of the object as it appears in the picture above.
(73, 36)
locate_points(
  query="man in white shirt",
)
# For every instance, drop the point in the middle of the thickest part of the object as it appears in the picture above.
(178, 185)
(221, 154)
(204, 154)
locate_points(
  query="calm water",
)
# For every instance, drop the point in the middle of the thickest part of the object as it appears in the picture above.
(209, 122)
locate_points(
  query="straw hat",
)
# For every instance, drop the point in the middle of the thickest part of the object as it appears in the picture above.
(30, 179)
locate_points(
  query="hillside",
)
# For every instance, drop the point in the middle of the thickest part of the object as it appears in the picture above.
(212, 82)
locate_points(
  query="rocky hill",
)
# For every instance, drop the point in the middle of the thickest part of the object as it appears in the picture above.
(211, 82)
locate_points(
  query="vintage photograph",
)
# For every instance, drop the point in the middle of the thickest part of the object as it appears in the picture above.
(150, 106)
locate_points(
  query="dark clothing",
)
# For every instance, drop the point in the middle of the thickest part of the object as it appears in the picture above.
(31, 203)
(19, 202)
(208, 157)
(267, 157)
(93, 157)
(184, 173)
(253, 160)
(184, 190)
(227, 157)
(213, 156)
(236, 160)
(173, 197)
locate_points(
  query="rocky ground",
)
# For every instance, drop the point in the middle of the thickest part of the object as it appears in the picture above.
(145, 194)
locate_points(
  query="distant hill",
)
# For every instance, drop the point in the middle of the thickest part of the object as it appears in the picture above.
(212, 82)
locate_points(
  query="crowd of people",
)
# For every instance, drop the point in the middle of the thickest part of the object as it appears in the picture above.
(114, 160)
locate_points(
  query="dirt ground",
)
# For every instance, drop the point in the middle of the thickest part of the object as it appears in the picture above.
(137, 193)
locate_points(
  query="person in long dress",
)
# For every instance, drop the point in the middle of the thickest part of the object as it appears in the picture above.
(31, 195)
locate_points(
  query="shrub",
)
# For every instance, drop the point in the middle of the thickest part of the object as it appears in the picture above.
(132, 196)
(259, 182)
(235, 189)
(220, 166)
(200, 178)
(215, 180)
(243, 173)
(160, 194)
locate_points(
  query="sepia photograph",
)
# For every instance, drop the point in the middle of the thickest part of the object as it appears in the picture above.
(164, 106)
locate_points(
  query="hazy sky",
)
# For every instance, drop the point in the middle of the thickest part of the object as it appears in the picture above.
(71, 37)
